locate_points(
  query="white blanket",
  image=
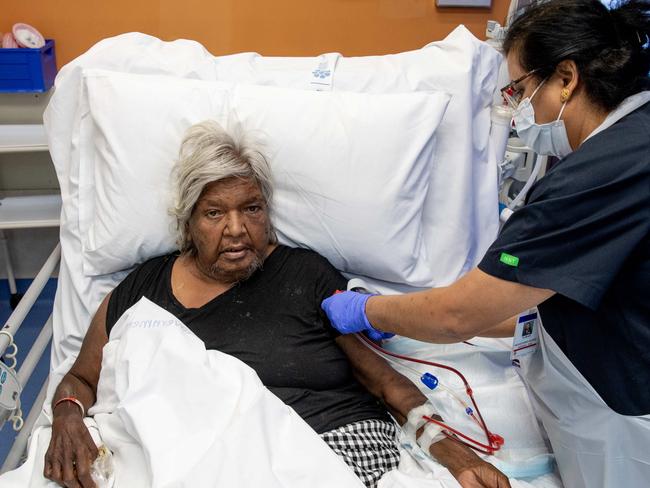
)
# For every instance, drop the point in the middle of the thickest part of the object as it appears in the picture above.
(176, 415)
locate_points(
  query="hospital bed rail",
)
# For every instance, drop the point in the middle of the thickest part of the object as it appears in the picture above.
(10, 328)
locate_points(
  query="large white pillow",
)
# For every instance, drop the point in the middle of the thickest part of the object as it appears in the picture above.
(460, 210)
(338, 159)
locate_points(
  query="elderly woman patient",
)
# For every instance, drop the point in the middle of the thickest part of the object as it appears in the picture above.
(244, 294)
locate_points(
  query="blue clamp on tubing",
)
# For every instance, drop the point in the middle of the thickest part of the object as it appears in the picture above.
(429, 381)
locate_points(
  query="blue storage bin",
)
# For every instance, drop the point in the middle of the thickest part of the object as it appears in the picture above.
(27, 70)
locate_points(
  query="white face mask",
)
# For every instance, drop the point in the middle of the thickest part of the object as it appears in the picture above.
(548, 139)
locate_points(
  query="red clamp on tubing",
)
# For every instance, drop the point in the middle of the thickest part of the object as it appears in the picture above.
(496, 439)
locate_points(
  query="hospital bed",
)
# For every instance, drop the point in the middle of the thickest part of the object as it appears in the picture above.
(414, 211)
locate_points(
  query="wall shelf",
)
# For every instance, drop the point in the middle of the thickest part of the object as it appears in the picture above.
(28, 212)
(22, 138)
(24, 211)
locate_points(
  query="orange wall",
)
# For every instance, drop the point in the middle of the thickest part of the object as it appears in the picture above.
(270, 27)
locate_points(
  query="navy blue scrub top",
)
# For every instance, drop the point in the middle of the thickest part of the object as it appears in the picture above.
(584, 234)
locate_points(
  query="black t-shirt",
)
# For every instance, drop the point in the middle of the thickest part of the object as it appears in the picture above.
(272, 322)
(584, 233)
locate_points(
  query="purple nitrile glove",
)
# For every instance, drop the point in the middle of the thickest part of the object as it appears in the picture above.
(347, 313)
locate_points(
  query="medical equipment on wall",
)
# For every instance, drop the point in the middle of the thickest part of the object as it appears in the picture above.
(495, 33)
(516, 170)
(501, 117)
(493, 441)
(520, 168)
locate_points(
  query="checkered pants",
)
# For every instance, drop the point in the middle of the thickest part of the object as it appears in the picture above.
(369, 447)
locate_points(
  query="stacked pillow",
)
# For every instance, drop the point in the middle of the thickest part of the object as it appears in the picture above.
(351, 170)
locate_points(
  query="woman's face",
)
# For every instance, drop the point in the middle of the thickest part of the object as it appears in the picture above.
(230, 229)
(546, 101)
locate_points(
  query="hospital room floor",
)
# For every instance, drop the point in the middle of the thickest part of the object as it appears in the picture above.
(25, 338)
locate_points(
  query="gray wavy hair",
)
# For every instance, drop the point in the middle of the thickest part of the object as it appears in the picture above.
(209, 153)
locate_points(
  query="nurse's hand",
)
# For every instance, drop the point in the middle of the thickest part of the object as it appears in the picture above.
(71, 451)
(347, 313)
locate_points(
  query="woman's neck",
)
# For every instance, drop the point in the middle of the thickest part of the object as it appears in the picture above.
(583, 118)
(191, 287)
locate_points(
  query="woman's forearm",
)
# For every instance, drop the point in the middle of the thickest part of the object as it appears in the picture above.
(82, 379)
(72, 386)
(400, 397)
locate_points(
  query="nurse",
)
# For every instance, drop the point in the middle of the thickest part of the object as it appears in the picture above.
(569, 273)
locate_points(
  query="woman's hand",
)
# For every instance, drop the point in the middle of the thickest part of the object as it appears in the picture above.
(469, 470)
(482, 475)
(71, 451)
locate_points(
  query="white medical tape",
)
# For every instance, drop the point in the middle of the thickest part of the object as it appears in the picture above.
(415, 420)
(432, 433)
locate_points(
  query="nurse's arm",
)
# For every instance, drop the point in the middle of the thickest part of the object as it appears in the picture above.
(468, 308)
(504, 329)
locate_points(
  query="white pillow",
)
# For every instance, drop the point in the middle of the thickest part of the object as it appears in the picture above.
(460, 211)
(138, 128)
(338, 159)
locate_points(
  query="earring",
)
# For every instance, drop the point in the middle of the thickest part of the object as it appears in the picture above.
(564, 95)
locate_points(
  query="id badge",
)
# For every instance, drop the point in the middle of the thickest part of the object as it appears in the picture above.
(525, 340)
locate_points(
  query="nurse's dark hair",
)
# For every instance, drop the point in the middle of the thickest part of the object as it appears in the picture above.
(610, 46)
